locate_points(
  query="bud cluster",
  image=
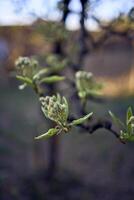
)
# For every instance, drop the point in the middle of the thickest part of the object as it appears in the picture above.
(54, 31)
(86, 84)
(55, 108)
(26, 67)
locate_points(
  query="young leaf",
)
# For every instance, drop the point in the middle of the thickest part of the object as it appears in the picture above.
(81, 120)
(116, 120)
(66, 106)
(51, 132)
(129, 114)
(40, 73)
(52, 79)
(25, 80)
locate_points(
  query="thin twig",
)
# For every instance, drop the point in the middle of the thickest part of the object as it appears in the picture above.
(92, 128)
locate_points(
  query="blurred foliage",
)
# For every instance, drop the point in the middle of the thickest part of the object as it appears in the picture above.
(52, 31)
(127, 128)
(86, 85)
(31, 74)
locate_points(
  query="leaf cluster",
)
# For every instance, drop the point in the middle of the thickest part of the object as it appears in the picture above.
(56, 109)
(31, 74)
(53, 107)
(127, 128)
(86, 85)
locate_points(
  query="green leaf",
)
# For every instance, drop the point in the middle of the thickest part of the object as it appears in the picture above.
(40, 73)
(116, 120)
(66, 106)
(81, 120)
(94, 93)
(52, 79)
(128, 116)
(51, 132)
(25, 80)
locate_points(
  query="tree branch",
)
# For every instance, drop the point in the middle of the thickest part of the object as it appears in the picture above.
(92, 128)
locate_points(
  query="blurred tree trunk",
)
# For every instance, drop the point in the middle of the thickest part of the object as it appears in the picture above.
(57, 49)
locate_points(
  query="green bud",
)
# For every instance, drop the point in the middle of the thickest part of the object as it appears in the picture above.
(86, 84)
(51, 132)
(26, 67)
(22, 61)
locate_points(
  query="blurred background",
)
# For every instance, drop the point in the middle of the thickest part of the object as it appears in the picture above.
(95, 35)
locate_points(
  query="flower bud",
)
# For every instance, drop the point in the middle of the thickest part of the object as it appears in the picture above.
(26, 67)
(55, 108)
(86, 84)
